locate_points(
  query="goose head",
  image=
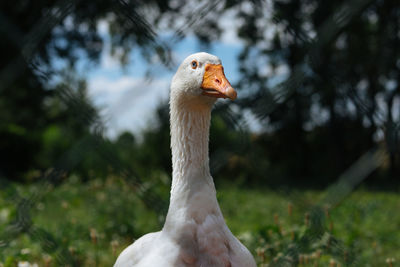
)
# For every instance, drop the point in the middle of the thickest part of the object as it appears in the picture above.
(200, 81)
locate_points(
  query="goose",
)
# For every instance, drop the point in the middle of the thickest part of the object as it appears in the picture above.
(194, 233)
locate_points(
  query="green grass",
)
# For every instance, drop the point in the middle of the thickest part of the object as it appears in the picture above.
(90, 224)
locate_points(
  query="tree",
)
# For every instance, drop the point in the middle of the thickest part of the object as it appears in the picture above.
(317, 74)
(340, 67)
(34, 35)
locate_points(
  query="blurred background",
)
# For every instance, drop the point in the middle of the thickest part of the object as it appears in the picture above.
(306, 161)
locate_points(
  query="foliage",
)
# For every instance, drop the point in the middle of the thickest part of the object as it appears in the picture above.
(90, 223)
(339, 67)
(292, 229)
(304, 74)
(38, 38)
(322, 78)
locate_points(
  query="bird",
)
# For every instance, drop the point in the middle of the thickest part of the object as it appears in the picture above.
(194, 233)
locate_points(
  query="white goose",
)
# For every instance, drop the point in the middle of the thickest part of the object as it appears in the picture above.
(194, 233)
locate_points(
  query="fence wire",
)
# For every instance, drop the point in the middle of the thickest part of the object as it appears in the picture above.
(263, 106)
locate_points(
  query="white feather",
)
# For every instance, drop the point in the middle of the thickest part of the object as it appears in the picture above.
(195, 233)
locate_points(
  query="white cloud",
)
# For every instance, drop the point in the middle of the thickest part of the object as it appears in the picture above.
(104, 85)
(230, 24)
(103, 27)
(127, 103)
(108, 61)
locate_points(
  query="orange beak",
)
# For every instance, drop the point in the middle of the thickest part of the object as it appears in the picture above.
(215, 83)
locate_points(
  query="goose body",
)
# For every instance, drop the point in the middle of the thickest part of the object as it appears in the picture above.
(195, 233)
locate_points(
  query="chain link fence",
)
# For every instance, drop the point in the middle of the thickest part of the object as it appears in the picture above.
(263, 104)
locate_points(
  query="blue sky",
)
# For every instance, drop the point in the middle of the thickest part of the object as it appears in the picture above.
(127, 99)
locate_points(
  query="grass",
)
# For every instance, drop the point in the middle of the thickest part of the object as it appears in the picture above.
(363, 230)
(90, 224)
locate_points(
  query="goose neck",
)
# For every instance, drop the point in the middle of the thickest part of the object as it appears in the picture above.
(189, 144)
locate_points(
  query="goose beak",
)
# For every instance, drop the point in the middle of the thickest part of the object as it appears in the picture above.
(215, 83)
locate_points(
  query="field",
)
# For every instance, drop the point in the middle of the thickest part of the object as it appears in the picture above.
(89, 224)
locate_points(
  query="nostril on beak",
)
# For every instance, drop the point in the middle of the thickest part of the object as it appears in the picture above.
(217, 81)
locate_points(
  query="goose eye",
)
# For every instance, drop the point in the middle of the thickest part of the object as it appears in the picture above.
(194, 64)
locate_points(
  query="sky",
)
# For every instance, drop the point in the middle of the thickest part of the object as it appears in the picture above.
(127, 99)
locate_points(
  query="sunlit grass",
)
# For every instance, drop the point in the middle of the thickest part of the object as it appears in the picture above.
(360, 231)
(90, 224)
